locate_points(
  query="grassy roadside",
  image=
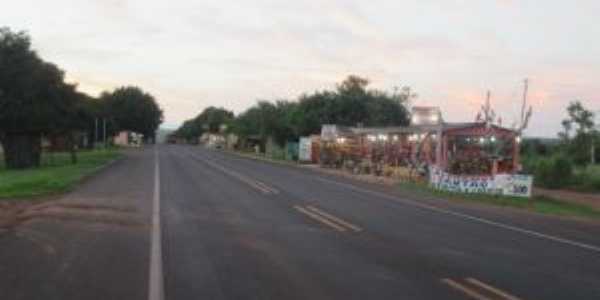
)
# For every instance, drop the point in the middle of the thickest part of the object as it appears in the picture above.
(538, 204)
(56, 175)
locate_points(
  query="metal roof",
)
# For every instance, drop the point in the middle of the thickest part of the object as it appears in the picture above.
(343, 130)
(412, 128)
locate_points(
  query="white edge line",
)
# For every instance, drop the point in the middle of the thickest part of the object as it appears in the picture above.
(156, 281)
(469, 217)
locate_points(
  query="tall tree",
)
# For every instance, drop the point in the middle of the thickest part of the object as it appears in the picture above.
(579, 146)
(211, 119)
(350, 104)
(33, 100)
(132, 109)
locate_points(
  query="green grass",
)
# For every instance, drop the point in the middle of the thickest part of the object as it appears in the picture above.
(539, 204)
(56, 175)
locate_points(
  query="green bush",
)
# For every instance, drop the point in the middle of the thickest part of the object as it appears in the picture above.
(587, 179)
(554, 173)
(529, 163)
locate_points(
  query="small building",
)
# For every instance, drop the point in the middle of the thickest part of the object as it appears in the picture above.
(213, 140)
(232, 141)
(309, 149)
(128, 139)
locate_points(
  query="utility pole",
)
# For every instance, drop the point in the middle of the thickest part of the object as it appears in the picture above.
(525, 112)
(488, 108)
(104, 134)
(594, 135)
(95, 133)
(524, 105)
(593, 151)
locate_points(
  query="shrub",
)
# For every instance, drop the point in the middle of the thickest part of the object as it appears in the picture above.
(587, 179)
(554, 173)
(529, 163)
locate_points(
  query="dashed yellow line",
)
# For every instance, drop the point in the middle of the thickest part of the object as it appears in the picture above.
(469, 292)
(253, 183)
(256, 186)
(266, 187)
(492, 289)
(477, 289)
(319, 218)
(334, 218)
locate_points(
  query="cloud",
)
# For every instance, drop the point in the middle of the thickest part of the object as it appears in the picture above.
(193, 54)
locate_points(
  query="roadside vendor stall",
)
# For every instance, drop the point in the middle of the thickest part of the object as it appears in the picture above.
(338, 144)
(468, 157)
(479, 149)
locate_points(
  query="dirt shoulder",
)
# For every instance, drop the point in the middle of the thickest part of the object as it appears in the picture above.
(592, 200)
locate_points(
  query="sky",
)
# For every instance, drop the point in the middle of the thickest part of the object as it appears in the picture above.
(192, 54)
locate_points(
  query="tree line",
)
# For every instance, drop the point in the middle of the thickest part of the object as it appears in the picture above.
(37, 102)
(351, 103)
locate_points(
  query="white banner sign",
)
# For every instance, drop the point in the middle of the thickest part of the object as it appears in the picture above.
(503, 184)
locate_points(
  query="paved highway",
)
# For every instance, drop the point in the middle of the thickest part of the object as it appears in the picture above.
(227, 227)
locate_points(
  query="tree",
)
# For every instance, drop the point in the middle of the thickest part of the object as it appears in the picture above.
(78, 121)
(211, 119)
(188, 130)
(313, 111)
(580, 146)
(581, 117)
(282, 125)
(256, 121)
(132, 109)
(383, 110)
(33, 100)
(350, 104)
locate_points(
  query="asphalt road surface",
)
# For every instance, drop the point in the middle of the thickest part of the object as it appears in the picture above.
(191, 223)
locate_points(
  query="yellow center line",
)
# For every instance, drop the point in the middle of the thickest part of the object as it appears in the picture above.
(492, 289)
(256, 186)
(469, 292)
(320, 219)
(253, 183)
(335, 219)
(272, 190)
